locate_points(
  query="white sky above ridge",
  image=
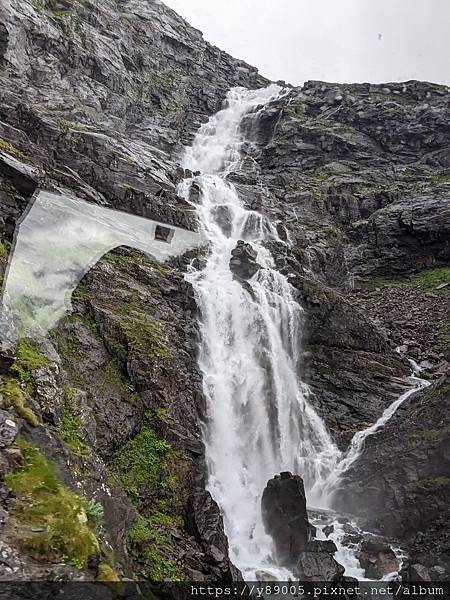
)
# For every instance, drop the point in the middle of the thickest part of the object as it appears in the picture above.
(330, 40)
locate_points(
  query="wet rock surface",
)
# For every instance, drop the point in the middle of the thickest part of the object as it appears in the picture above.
(354, 177)
(407, 499)
(285, 518)
(316, 563)
(377, 559)
(243, 261)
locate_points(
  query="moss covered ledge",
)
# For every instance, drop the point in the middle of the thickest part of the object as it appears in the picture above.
(53, 523)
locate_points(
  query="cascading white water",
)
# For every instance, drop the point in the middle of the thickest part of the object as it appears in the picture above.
(358, 440)
(259, 419)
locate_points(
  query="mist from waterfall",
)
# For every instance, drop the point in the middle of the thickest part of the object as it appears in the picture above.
(259, 420)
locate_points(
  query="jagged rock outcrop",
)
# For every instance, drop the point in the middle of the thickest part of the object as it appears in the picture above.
(285, 518)
(406, 497)
(101, 114)
(243, 261)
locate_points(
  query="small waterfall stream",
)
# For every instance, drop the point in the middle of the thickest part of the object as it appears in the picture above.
(260, 420)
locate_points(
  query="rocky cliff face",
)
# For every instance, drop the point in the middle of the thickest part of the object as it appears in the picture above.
(97, 100)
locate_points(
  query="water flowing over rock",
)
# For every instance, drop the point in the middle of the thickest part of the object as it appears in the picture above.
(285, 518)
(343, 193)
(259, 415)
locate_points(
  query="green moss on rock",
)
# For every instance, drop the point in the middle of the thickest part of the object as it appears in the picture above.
(54, 524)
(153, 473)
(10, 149)
(109, 577)
(3, 253)
(28, 358)
(15, 398)
(142, 462)
(143, 335)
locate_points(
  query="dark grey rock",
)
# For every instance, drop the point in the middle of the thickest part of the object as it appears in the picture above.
(243, 261)
(8, 429)
(328, 529)
(285, 518)
(377, 559)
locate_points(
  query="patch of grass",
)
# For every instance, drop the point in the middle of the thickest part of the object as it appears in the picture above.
(434, 483)
(128, 159)
(124, 260)
(430, 279)
(112, 374)
(434, 435)
(69, 430)
(143, 335)
(141, 463)
(10, 149)
(153, 475)
(54, 520)
(146, 534)
(81, 292)
(440, 179)
(28, 358)
(382, 282)
(3, 253)
(15, 398)
(330, 230)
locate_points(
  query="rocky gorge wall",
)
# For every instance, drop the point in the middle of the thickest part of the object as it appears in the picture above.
(97, 100)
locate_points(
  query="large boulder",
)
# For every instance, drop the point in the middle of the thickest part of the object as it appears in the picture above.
(285, 518)
(377, 559)
(316, 563)
(243, 261)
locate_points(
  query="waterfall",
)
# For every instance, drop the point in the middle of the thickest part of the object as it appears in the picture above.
(260, 421)
(358, 440)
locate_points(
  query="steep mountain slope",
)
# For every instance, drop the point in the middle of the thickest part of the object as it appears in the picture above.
(97, 99)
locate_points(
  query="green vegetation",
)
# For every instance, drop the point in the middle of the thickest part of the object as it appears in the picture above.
(16, 387)
(142, 461)
(128, 160)
(54, 14)
(112, 374)
(69, 430)
(10, 149)
(3, 253)
(152, 474)
(54, 521)
(330, 230)
(434, 435)
(434, 484)
(15, 398)
(28, 358)
(110, 578)
(133, 256)
(429, 279)
(143, 336)
(440, 179)
(146, 534)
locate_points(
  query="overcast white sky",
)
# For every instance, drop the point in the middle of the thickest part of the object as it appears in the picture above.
(330, 40)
